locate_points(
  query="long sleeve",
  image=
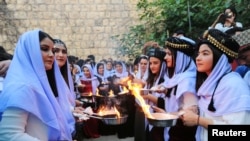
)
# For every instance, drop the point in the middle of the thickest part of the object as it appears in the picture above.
(239, 118)
(17, 124)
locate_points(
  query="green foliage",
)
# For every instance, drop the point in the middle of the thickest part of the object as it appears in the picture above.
(161, 18)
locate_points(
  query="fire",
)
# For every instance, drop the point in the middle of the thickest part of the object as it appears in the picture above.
(136, 92)
(124, 80)
(107, 111)
(97, 92)
(125, 90)
(90, 94)
(117, 113)
(111, 93)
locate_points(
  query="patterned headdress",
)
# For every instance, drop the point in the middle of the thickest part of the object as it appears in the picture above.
(180, 44)
(222, 41)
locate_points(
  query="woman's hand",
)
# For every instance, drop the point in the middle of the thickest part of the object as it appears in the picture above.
(150, 97)
(190, 118)
(161, 89)
(78, 110)
(158, 110)
(78, 103)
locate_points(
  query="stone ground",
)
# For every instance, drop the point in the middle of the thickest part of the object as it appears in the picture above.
(110, 138)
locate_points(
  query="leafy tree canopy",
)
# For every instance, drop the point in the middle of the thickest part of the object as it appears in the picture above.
(160, 18)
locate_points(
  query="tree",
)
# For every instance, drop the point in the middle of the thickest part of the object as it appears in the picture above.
(160, 18)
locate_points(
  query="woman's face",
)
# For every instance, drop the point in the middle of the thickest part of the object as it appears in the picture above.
(143, 65)
(60, 54)
(204, 60)
(109, 66)
(86, 72)
(169, 58)
(230, 16)
(100, 70)
(118, 68)
(46, 46)
(154, 65)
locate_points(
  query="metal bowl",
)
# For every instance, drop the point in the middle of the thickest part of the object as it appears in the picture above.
(113, 120)
(163, 119)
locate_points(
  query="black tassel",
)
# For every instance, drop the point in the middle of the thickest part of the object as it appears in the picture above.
(168, 92)
(211, 105)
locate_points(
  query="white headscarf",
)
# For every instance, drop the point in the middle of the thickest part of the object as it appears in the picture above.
(161, 75)
(185, 69)
(140, 75)
(105, 73)
(124, 72)
(26, 87)
(71, 95)
(231, 95)
(93, 79)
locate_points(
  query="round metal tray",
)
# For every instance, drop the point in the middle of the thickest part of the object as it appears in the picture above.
(163, 119)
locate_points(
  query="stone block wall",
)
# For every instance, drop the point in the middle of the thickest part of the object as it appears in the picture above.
(86, 26)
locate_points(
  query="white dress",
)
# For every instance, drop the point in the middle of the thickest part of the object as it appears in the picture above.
(233, 118)
(247, 78)
(20, 125)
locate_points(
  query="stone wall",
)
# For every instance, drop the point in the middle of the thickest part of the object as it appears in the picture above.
(86, 26)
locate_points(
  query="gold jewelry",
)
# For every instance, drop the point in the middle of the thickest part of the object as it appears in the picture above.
(222, 47)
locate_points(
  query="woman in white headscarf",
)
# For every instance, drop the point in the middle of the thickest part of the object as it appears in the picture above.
(88, 80)
(90, 83)
(61, 54)
(142, 74)
(156, 76)
(33, 107)
(116, 81)
(224, 96)
(180, 86)
(140, 78)
(102, 76)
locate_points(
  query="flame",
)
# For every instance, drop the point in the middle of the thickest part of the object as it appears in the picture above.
(136, 92)
(101, 111)
(104, 110)
(97, 92)
(125, 90)
(90, 93)
(111, 93)
(117, 113)
(124, 80)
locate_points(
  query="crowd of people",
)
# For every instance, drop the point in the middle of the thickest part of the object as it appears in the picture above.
(207, 79)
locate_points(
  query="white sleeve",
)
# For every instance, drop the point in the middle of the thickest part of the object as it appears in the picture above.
(12, 125)
(234, 118)
(239, 24)
(219, 26)
(247, 78)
